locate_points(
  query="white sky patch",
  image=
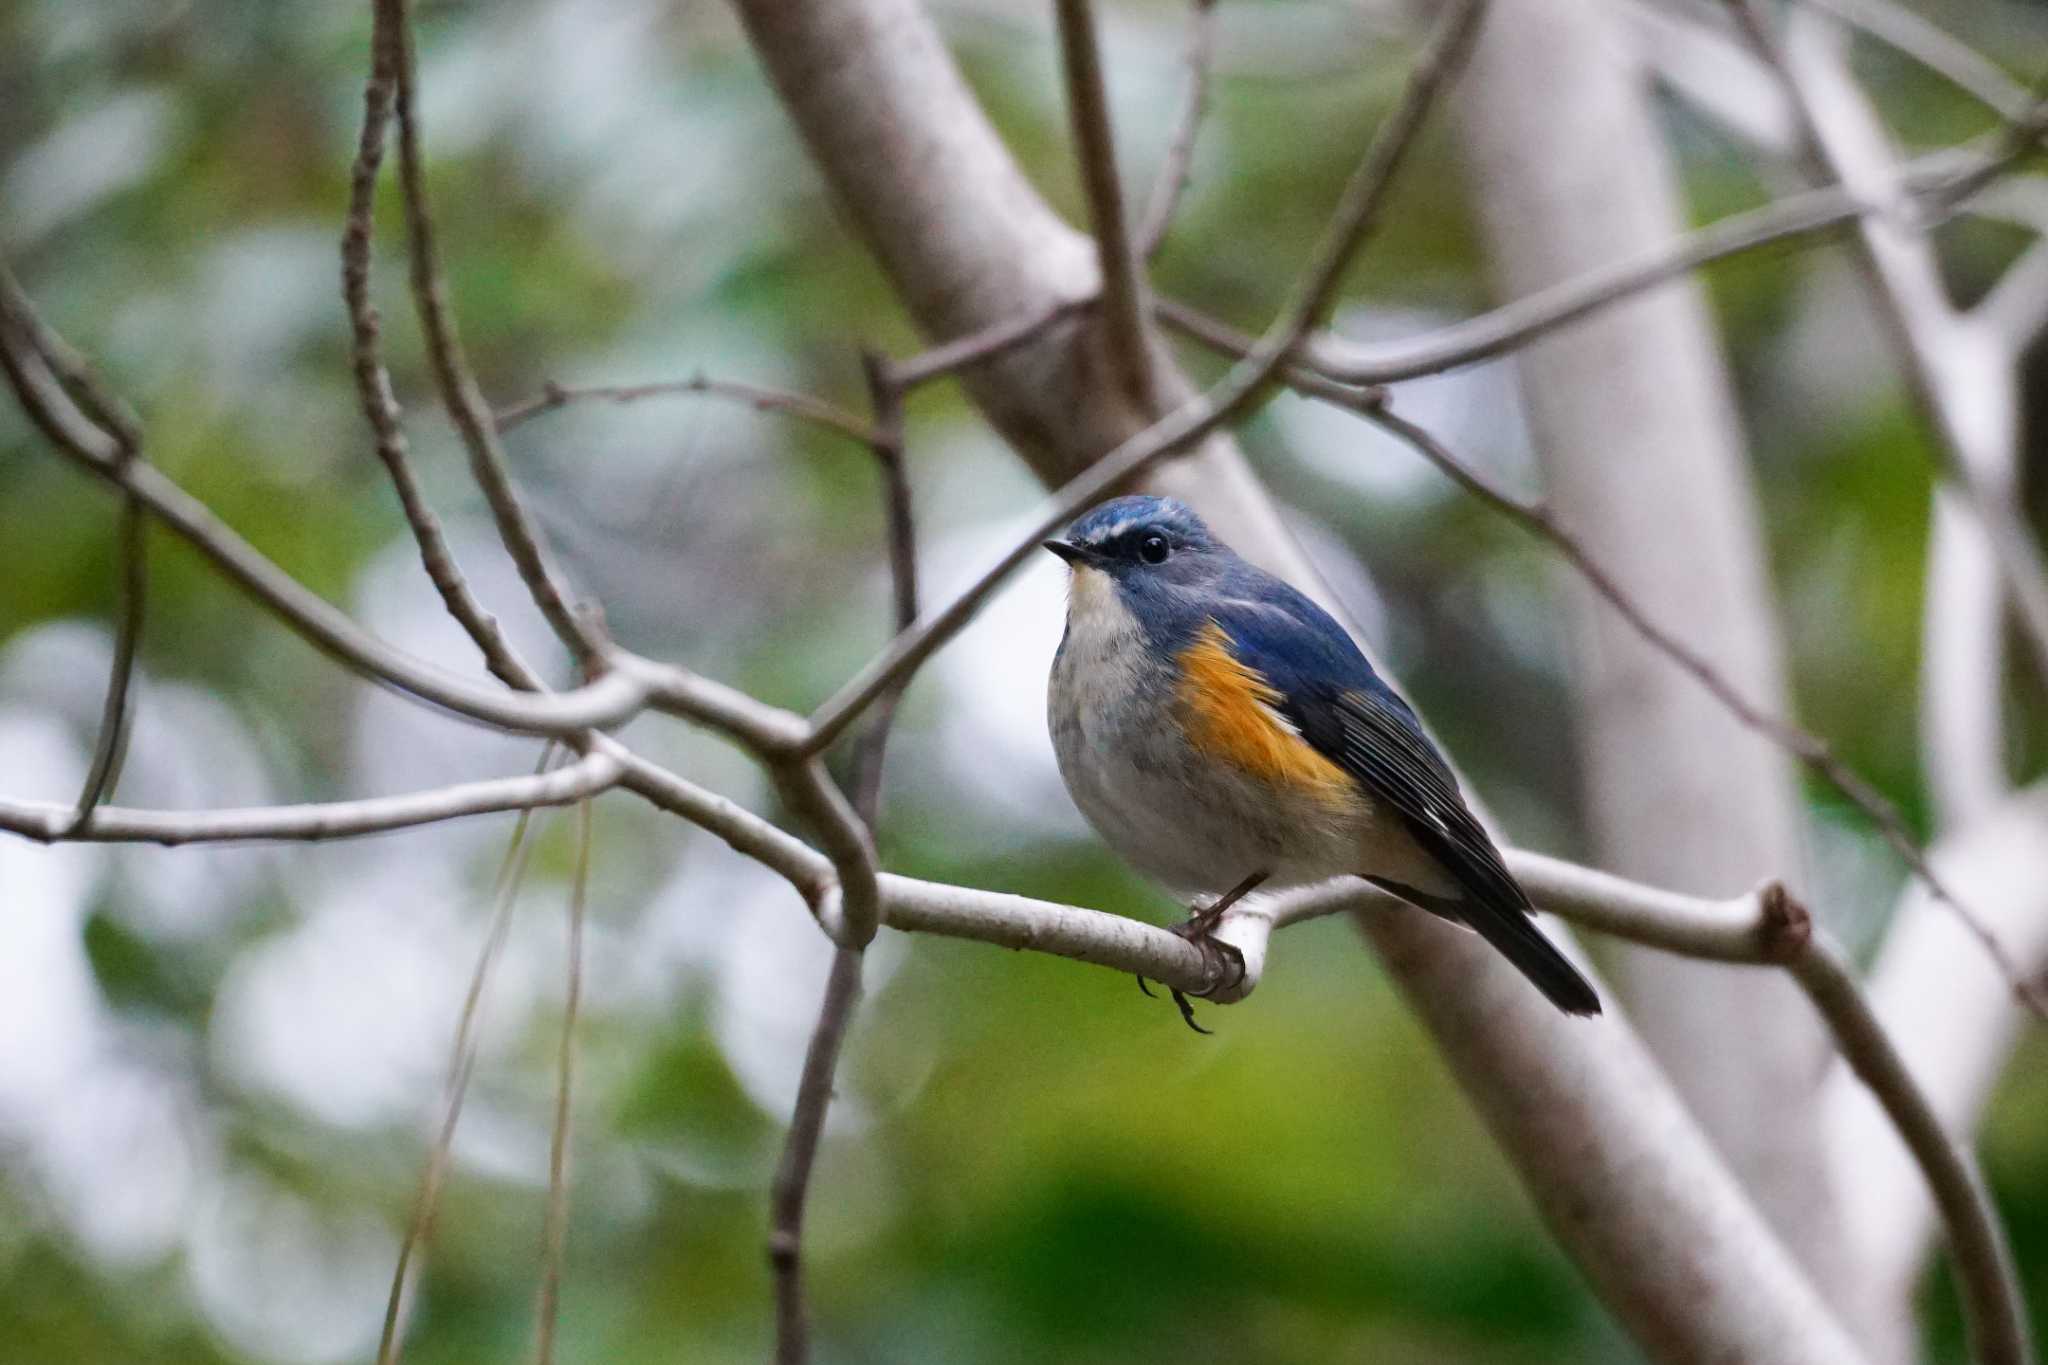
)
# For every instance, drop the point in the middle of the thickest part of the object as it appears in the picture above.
(987, 739)
(1475, 411)
(49, 1002)
(283, 1279)
(350, 1015)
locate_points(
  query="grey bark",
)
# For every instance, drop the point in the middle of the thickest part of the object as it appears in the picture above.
(1626, 1181)
(1643, 459)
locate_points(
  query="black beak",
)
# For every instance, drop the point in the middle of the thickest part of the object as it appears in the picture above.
(1073, 554)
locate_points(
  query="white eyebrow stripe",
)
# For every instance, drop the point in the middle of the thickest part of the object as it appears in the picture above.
(1113, 530)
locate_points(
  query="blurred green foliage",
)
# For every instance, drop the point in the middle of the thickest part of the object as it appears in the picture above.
(1043, 1165)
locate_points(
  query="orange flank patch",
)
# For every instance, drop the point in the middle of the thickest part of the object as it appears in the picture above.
(1229, 711)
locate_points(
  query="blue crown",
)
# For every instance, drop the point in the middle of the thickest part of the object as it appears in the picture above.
(1121, 516)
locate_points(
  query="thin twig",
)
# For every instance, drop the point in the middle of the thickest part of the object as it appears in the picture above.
(373, 380)
(801, 407)
(864, 781)
(31, 344)
(77, 375)
(1357, 214)
(950, 357)
(392, 37)
(1803, 218)
(1123, 278)
(133, 595)
(1843, 141)
(1172, 182)
(1808, 748)
(626, 685)
(556, 1238)
(606, 701)
(461, 1066)
(1933, 47)
(799, 1153)
(842, 988)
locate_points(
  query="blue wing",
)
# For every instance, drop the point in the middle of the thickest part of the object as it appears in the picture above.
(1343, 708)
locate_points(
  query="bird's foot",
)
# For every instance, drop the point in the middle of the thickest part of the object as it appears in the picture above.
(1224, 961)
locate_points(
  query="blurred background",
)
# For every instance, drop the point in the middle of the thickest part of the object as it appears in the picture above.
(219, 1067)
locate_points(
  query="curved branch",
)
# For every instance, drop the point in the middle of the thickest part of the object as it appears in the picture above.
(391, 38)
(49, 823)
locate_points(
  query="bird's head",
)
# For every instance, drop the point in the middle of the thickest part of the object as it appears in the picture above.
(1143, 545)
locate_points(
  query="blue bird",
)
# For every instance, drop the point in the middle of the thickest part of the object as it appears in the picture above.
(1222, 733)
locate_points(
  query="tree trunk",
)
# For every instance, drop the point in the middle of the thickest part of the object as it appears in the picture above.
(1643, 458)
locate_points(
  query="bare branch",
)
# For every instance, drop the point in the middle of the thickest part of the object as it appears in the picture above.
(851, 922)
(865, 770)
(953, 356)
(1993, 1308)
(49, 823)
(801, 407)
(606, 701)
(556, 1237)
(800, 1150)
(461, 1066)
(80, 381)
(1805, 218)
(848, 833)
(1942, 1005)
(1936, 49)
(1963, 750)
(2016, 309)
(132, 598)
(809, 871)
(1846, 142)
(373, 381)
(1123, 282)
(391, 38)
(1357, 213)
(1172, 181)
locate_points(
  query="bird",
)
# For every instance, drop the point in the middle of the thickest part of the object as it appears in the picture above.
(1223, 733)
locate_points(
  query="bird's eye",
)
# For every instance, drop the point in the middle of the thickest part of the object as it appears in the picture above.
(1153, 549)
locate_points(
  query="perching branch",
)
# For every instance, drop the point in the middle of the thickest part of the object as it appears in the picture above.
(1943, 1006)
(1994, 1310)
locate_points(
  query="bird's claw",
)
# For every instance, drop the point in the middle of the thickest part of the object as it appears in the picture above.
(1225, 960)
